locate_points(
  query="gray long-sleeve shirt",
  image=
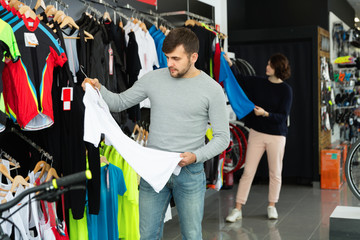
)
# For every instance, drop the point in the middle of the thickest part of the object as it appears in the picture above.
(180, 111)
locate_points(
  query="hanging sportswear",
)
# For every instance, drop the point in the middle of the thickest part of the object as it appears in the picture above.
(104, 225)
(10, 50)
(239, 101)
(153, 165)
(8, 43)
(27, 82)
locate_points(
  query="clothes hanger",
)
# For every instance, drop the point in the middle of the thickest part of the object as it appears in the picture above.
(143, 26)
(28, 12)
(17, 181)
(12, 3)
(140, 135)
(51, 173)
(12, 164)
(5, 171)
(106, 16)
(190, 22)
(70, 21)
(40, 3)
(18, 5)
(39, 165)
(57, 15)
(136, 129)
(50, 10)
(104, 160)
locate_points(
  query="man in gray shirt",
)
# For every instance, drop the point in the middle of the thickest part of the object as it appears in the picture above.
(183, 100)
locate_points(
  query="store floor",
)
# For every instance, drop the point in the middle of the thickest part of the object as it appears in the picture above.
(304, 213)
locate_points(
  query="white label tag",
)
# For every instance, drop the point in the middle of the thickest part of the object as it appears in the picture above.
(30, 40)
(66, 106)
(111, 62)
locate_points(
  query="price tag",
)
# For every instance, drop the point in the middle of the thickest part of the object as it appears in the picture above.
(30, 40)
(67, 97)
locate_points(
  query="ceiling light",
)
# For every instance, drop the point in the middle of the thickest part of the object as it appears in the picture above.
(356, 19)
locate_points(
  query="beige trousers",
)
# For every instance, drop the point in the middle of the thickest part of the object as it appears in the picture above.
(258, 143)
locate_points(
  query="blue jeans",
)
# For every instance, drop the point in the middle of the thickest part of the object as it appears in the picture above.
(188, 190)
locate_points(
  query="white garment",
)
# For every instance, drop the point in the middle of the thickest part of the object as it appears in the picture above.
(146, 51)
(148, 60)
(154, 166)
(16, 217)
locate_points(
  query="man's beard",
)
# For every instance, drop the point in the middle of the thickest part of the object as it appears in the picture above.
(179, 74)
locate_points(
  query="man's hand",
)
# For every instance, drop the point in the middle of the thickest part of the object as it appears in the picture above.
(94, 82)
(187, 158)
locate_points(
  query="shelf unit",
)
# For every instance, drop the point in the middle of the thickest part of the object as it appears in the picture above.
(324, 136)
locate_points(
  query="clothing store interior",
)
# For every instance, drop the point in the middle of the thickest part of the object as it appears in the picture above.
(88, 188)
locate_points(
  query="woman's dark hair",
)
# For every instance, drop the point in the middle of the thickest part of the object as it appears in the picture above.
(281, 65)
(181, 36)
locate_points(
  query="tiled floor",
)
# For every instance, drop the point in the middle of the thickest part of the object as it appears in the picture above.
(304, 213)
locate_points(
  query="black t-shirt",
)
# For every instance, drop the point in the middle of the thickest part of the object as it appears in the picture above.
(206, 39)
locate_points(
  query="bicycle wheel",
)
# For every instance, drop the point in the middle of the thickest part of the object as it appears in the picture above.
(233, 152)
(352, 169)
(243, 139)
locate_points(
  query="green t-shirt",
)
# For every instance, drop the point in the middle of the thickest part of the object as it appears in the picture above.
(10, 49)
(78, 228)
(128, 211)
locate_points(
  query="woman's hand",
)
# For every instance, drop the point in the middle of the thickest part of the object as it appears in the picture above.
(94, 82)
(228, 59)
(259, 111)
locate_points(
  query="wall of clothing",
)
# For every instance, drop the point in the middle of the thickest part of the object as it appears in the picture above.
(47, 55)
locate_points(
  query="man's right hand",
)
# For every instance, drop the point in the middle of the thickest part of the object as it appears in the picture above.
(94, 82)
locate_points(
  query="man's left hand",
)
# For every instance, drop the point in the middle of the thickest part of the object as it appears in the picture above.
(187, 158)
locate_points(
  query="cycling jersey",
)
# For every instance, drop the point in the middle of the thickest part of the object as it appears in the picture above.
(28, 82)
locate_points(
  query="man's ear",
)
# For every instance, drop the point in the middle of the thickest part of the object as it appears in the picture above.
(194, 57)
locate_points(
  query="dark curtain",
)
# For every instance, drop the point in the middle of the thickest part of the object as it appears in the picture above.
(298, 159)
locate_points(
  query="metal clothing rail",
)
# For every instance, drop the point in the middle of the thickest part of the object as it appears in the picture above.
(33, 144)
(8, 157)
(150, 16)
(189, 14)
(63, 4)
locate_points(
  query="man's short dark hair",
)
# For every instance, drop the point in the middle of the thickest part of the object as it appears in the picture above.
(181, 36)
(281, 65)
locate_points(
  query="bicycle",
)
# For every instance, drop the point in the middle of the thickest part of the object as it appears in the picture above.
(352, 169)
(48, 191)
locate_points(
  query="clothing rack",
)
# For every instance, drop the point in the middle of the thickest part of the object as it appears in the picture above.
(33, 144)
(150, 16)
(189, 15)
(87, 3)
(61, 3)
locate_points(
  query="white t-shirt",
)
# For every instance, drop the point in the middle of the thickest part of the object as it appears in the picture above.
(154, 166)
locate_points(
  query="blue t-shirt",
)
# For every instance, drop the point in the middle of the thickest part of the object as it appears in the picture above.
(239, 102)
(105, 225)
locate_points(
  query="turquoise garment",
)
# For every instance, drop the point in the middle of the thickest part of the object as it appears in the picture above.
(152, 30)
(105, 225)
(239, 102)
(159, 38)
